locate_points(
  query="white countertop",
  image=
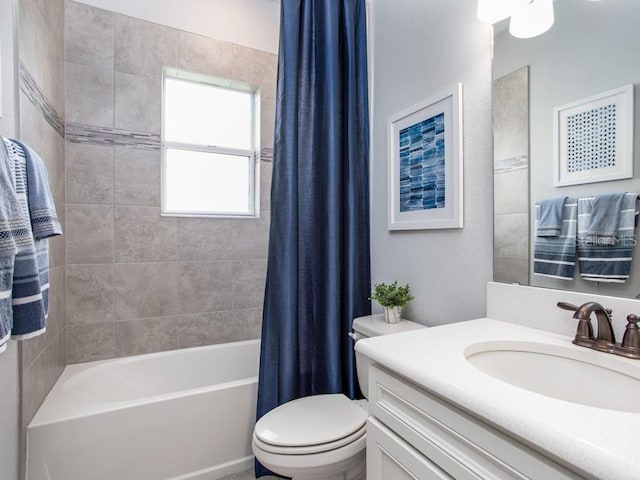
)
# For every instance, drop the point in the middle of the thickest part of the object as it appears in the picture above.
(603, 443)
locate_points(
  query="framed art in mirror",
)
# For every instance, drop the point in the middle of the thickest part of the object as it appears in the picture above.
(425, 164)
(593, 138)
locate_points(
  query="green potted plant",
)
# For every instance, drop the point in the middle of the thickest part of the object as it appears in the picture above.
(392, 297)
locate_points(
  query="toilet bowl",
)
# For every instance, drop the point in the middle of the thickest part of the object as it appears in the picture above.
(322, 437)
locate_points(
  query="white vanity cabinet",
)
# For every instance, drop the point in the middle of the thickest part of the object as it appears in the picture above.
(391, 458)
(416, 435)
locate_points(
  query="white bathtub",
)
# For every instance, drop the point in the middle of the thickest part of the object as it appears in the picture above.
(183, 414)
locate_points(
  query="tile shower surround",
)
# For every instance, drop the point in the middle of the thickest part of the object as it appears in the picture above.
(42, 113)
(511, 177)
(30, 88)
(138, 282)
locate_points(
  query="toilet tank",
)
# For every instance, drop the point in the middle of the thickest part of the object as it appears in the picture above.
(373, 326)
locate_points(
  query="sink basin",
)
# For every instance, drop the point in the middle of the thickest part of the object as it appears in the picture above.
(570, 374)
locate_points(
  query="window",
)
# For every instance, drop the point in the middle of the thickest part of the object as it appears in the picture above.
(208, 147)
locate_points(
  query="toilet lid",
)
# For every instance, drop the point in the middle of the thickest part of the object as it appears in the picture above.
(310, 421)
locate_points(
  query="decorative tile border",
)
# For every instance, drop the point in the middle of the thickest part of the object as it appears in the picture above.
(266, 154)
(108, 136)
(30, 88)
(511, 164)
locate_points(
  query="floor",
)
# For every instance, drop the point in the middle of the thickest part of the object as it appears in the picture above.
(247, 475)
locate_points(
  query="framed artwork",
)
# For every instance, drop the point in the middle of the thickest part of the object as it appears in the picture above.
(593, 138)
(425, 164)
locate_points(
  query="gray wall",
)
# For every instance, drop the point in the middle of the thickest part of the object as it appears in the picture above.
(251, 23)
(419, 49)
(575, 60)
(41, 53)
(138, 282)
(41, 127)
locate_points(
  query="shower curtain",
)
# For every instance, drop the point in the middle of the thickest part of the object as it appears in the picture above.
(318, 275)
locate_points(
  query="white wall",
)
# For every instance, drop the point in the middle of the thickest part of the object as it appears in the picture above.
(252, 23)
(419, 49)
(9, 359)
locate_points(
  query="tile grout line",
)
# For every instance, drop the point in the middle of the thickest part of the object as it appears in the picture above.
(113, 262)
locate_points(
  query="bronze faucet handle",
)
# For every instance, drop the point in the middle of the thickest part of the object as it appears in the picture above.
(567, 306)
(631, 340)
(584, 332)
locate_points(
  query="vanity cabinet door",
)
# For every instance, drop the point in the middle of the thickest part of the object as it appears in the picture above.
(459, 444)
(391, 458)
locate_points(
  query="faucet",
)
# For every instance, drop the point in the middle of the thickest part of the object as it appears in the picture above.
(605, 339)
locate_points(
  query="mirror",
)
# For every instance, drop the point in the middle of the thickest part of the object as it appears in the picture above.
(591, 48)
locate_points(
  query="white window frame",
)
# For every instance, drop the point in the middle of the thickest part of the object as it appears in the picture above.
(251, 153)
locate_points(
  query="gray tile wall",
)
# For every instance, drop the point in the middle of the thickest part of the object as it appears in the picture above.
(511, 178)
(138, 282)
(42, 110)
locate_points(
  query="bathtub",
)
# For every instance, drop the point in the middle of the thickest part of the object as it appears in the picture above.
(180, 415)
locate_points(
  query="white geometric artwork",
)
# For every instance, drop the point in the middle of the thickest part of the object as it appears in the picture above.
(593, 138)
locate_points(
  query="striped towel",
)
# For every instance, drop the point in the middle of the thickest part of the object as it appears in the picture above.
(26, 295)
(549, 217)
(42, 209)
(15, 233)
(30, 272)
(14, 229)
(44, 224)
(555, 256)
(605, 218)
(604, 260)
(6, 315)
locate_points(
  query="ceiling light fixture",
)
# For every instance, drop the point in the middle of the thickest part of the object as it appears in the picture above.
(532, 19)
(492, 11)
(529, 18)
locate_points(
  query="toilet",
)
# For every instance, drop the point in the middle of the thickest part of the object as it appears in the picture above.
(323, 437)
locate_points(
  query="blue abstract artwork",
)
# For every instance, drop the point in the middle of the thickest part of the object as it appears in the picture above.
(422, 165)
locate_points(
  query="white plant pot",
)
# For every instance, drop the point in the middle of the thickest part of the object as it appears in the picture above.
(392, 314)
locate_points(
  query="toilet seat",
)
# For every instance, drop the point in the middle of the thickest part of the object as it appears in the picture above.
(310, 449)
(313, 424)
(309, 465)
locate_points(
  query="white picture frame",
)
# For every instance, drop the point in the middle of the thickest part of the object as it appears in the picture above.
(593, 138)
(430, 194)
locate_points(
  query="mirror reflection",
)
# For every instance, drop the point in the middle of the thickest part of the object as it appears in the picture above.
(591, 48)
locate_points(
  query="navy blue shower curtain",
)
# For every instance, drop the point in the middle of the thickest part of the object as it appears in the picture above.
(318, 275)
